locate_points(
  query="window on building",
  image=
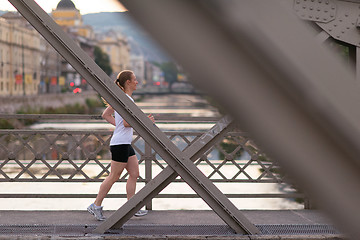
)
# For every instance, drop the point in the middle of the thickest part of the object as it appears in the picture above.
(2, 86)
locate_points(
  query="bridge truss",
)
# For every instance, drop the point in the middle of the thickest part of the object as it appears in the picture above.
(262, 64)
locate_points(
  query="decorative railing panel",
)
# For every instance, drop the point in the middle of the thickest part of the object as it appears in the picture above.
(84, 156)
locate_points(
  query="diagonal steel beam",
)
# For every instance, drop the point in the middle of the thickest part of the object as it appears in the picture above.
(165, 177)
(84, 65)
(292, 95)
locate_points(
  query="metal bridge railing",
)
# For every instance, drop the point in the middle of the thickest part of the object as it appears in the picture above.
(83, 156)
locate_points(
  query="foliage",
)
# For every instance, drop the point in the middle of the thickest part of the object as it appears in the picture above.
(103, 60)
(6, 124)
(229, 146)
(170, 71)
(94, 104)
(90, 107)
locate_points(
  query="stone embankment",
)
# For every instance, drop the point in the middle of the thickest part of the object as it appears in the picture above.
(11, 104)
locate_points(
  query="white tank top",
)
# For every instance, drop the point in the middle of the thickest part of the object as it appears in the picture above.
(122, 134)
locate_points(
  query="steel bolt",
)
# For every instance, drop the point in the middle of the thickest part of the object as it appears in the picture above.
(92, 156)
(11, 156)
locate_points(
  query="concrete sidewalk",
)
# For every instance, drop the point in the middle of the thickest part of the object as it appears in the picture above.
(274, 224)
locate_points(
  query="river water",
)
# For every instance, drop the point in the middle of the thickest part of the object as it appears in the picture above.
(179, 105)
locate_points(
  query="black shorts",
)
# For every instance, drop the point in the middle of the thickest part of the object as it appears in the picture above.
(122, 152)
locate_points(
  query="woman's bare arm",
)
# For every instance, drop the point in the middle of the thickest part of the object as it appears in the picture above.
(108, 115)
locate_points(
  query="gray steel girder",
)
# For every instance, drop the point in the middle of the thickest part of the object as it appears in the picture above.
(340, 19)
(85, 66)
(291, 94)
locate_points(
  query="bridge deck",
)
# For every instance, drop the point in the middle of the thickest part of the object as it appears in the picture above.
(274, 224)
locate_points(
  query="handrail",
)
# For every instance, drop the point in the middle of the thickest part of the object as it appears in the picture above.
(161, 118)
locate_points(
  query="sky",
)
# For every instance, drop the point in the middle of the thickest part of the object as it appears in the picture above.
(85, 6)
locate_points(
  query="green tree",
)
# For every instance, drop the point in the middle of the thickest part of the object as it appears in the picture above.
(103, 60)
(170, 71)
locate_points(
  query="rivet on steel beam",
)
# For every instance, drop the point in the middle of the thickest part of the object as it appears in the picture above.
(11, 156)
(92, 156)
(65, 156)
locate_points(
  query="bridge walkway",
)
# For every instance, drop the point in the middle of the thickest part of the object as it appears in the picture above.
(185, 224)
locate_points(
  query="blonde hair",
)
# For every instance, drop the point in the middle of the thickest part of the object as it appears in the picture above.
(122, 77)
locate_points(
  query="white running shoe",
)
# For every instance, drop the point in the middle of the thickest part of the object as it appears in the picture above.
(96, 211)
(141, 213)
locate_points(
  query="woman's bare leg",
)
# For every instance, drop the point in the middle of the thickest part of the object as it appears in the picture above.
(115, 173)
(133, 169)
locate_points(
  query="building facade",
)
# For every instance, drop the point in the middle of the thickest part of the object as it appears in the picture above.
(117, 48)
(70, 19)
(19, 56)
(138, 67)
(29, 65)
(51, 80)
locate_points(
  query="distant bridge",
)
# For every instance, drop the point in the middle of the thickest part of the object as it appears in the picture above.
(155, 90)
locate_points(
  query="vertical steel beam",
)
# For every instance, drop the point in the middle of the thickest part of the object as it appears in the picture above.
(148, 169)
(294, 98)
(165, 177)
(140, 122)
(357, 64)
